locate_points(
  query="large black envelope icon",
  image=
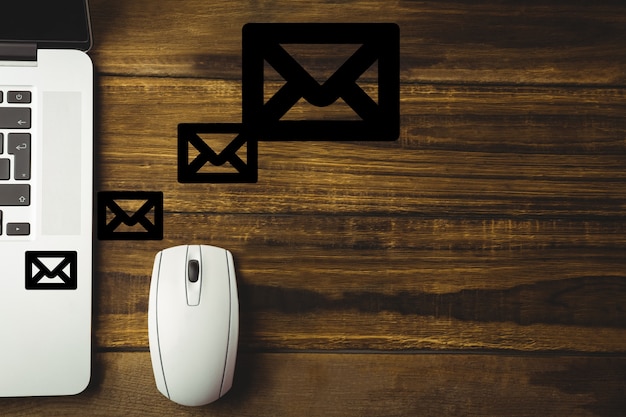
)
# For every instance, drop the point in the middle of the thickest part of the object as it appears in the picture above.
(234, 162)
(378, 117)
(116, 222)
(51, 270)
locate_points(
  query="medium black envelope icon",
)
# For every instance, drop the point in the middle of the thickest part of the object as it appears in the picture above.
(51, 270)
(235, 162)
(378, 117)
(117, 222)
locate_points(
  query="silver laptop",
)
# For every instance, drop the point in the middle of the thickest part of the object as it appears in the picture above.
(46, 187)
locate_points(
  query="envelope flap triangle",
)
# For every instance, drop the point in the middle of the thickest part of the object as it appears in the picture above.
(354, 74)
(320, 61)
(50, 263)
(217, 141)
(129, 219)
(129, 205)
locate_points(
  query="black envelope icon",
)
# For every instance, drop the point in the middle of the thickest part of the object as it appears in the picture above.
(236, 160)
(116, 222)
(378, 117)
(51, 270)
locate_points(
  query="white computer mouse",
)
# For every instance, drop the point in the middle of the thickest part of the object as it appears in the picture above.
(193, 323)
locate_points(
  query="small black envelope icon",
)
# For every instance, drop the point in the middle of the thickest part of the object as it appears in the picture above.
(378, 117)
(51, 270)
(236, 167)
(143, 223)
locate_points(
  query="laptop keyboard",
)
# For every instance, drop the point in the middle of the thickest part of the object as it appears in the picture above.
(15, 161)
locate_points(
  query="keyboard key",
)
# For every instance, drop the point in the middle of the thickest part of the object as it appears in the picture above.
(5, 169)
(18, 144)
(1, 142)
(18, 229)
(0, 222)
(18, 97)
(14, 195)
(14, 118)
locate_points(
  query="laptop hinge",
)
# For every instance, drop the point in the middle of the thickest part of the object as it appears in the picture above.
(18, 51)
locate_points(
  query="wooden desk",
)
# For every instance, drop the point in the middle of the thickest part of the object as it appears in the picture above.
(475, 266)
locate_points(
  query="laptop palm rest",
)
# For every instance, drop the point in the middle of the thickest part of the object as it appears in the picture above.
(61, 154)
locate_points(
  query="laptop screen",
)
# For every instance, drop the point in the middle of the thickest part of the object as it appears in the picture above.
(49, 23)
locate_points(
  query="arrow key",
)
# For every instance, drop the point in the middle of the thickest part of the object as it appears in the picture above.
(18, 229)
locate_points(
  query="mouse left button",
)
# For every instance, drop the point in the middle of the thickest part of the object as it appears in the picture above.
(155, 348)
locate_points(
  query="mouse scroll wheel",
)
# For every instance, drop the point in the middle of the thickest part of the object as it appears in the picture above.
(193, 270)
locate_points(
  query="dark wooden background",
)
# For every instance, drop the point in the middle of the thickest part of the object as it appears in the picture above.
(474, 267)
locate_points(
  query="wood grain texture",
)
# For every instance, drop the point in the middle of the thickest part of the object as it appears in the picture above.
(278, 384)
(553, 152)
(491, 42)
(486, 226)
(475, 266)
(389, 283)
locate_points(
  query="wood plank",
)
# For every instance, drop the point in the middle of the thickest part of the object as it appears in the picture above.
(463, 151)
(490, 42)
(352, 384)
(387, 283)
